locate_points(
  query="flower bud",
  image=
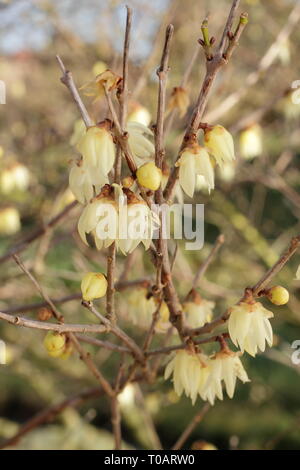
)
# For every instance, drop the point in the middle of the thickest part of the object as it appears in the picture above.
(149, 176)
(179, 99)
(139, 114)
(9, 221)
(278, 295)
(127, 182)
(93, 286)
(44, 314)
(54, 343)
(219, 143)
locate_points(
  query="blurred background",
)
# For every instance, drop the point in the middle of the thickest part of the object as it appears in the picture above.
(256, 205)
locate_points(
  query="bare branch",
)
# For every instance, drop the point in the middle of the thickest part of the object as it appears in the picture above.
(67, 79)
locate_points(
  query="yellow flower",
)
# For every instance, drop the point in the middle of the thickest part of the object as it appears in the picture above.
(98, 149)
(278, 295)
(249, 326)
(149, 176)
(138, 223)
(223, 366)
(189, 371)
(106, 80)
(251, 142)
(93, 286)
(179, 99)
(197, 311)
(194, 161)
(219, 143)
(83, 180)
(139, 143)
(100, 217)
(54, 343)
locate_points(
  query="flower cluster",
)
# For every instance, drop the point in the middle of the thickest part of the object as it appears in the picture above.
(118, 215)
(195, 160)
(197, 374)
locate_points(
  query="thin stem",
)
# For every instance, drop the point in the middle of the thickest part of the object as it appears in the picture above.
(190, 428)
(67, 80)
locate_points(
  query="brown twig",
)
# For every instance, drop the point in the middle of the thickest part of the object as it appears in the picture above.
(67, 80)
(57, 315)
(190, 428)
(261, 284)
(264, 64)
(48, 414)
(213, 65)
(23, 244)
(120, 286)
(137, 352)
(204, 266)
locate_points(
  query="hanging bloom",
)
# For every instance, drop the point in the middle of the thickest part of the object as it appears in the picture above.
(105, 81)
(251, 142)
(298, 273)
(194, 160)
(137, 223)
(100, 217)
(219, 143)
(97, 148)
(249, 326)
(189, 372)
(10, 222)
(93, 286)
(149, 176)
(223, 366)
(139, 143)
(197, 311)
(179, 99)
(54, 343)
(139, 114)
(278, 295)
(83, 181)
